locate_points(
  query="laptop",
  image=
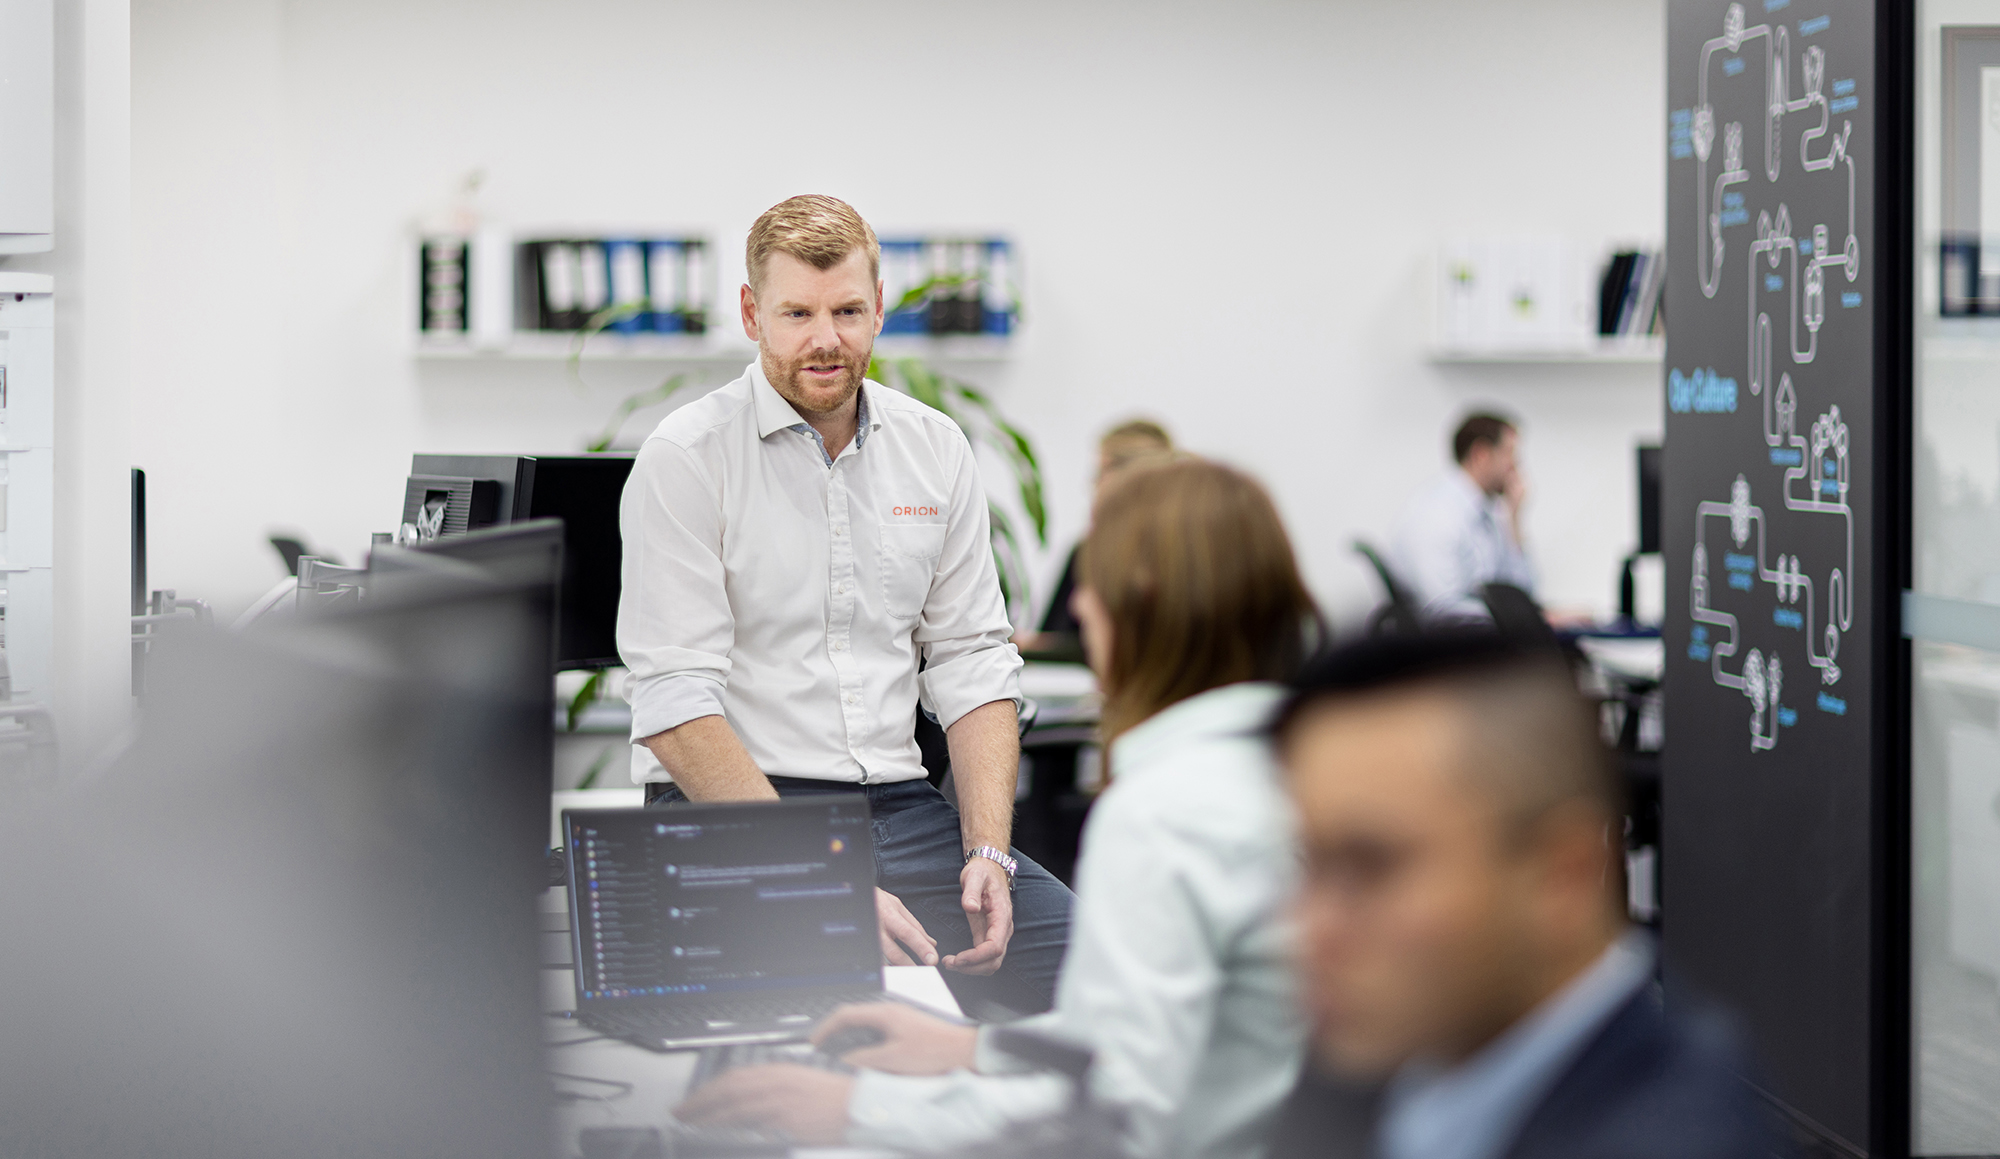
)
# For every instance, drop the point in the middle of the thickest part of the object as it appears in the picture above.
(712, 925)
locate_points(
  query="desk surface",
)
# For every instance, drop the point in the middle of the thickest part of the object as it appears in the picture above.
(1632, 657)
(607, 1082)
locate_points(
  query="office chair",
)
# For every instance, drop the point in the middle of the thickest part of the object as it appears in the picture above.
(290, 550)
(1517, 616)
(1398, 613)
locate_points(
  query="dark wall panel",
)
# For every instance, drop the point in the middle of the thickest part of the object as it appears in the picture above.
(1774, 635)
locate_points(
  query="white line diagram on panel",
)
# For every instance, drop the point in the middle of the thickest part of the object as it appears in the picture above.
(1778, 101)
(1819, 604)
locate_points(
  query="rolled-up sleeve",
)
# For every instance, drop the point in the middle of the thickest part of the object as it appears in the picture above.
(969, 659)
(675, 628)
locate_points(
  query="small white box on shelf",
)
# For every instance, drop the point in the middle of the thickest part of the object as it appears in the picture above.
(1525, 300)
(1510, 293)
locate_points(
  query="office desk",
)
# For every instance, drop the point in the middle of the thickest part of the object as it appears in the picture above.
(611, 1083)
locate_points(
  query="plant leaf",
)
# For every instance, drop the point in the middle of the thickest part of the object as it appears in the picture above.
(597, 766)
(632, 404)
(584, 697)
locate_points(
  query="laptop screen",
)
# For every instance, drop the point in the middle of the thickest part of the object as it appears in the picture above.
(716, 898)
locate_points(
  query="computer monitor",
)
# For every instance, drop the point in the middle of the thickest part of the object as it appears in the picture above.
(1649, 500)
(467, 492)
(294, 917)
(516, 555)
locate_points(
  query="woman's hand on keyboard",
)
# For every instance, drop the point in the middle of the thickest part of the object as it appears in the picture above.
(808, 1104)
(904, 942)
(912, 1042)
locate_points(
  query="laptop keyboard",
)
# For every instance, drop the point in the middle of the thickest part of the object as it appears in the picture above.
(717, 1059)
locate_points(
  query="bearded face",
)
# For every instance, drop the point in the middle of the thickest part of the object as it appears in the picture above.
(815, 329)
(819, 381)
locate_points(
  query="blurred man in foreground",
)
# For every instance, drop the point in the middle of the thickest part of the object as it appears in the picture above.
(1461, 935)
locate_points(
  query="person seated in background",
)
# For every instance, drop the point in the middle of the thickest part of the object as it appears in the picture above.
(1178, 976)
(1129, 443)
(1463, 530)
(1462, 937)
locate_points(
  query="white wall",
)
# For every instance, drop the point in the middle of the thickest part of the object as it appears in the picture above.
(1225, 212)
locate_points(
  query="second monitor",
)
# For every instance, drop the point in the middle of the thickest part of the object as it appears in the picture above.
(450, 494)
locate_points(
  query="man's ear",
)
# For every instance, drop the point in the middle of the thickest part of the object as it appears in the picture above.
(1578, 848)
(748, 303)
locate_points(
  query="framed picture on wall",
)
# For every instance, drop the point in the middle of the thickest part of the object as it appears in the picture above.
(1969, 242)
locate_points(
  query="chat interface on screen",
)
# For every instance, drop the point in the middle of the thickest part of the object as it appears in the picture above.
(742, 900)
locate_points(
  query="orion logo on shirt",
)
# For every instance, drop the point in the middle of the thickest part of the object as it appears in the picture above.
(913, 511)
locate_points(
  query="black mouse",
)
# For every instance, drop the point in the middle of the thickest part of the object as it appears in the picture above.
(850, 1038)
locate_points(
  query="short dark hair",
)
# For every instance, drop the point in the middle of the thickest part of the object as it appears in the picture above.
(1479, 429)
(1539, 746)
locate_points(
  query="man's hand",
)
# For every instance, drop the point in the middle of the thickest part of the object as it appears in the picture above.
(912, 1042)
(808, 1104)
(989, 909)
(1515, 495)
(904, 942)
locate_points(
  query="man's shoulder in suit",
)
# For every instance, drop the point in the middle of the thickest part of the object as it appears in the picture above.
(1654, 1084)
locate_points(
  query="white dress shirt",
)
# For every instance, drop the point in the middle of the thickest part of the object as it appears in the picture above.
(792, 595)
(1178, 976)
(1476, 1110)
(1452, 539)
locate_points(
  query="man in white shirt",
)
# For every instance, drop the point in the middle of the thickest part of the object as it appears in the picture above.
(795, 543)
(1463, 531)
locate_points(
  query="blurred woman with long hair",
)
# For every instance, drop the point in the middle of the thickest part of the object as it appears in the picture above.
(1177, 979)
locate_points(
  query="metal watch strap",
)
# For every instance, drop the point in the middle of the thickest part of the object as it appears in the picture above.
(998, 857)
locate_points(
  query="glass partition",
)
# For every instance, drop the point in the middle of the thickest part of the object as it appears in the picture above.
(1953, 611)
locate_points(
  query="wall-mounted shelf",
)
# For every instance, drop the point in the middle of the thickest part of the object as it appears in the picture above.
(1616, 351)
(732, 349)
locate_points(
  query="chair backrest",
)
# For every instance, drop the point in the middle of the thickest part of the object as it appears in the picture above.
(1398, 612)
(1517, 616)
(290, 550)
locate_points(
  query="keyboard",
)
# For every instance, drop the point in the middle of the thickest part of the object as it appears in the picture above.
(722, 1020)
(734, 1142)
(715, 1060)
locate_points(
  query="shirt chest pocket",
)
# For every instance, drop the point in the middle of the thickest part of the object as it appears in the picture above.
(910, 554)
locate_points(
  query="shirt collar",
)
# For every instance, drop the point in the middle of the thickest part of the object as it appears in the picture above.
(1473, 1110)
(1232, 709)
(1469, 489)
(775, 414)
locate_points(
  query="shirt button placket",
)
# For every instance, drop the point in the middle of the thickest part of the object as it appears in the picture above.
(840, 624)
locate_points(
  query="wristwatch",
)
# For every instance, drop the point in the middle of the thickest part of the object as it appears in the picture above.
(997, 857)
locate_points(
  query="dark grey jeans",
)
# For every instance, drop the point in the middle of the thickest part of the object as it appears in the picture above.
(918, 857)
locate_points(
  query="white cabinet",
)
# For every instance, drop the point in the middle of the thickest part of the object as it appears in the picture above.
(27, 126)
(27, 482)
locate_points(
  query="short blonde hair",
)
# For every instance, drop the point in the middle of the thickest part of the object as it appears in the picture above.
(1129, 442)
(818, 230)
